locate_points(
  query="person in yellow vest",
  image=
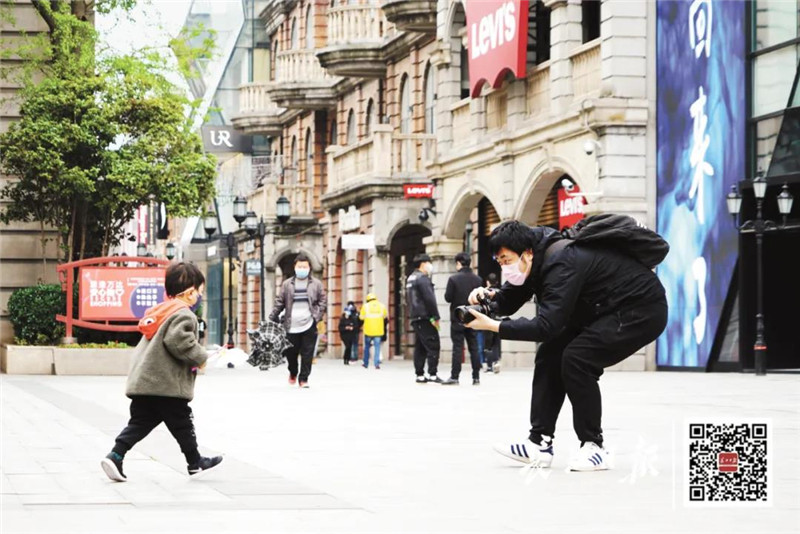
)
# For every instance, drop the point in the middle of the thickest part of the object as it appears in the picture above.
(374, 318)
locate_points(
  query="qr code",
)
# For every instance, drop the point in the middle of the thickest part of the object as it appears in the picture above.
(728, 462)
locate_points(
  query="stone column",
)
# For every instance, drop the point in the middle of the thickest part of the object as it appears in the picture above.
(623, 49)
(442, 251)
(379, 267)
(565, 36)
(517, 104)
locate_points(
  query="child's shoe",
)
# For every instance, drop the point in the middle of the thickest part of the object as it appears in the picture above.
(112, 465)
(203, 465)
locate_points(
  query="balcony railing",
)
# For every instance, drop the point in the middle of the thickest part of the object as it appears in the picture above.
(385, 155)
(462, 122)
(299, 66)
(497, 109)
(271, 179)
(586, 73)
(258, 114)
(355, 23)
(253, 98)
(539, 91)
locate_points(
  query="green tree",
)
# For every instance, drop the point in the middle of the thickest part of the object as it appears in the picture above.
(100, 135)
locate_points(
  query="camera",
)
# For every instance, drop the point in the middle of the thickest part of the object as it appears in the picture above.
(485, 306)
(588, 147)
(567, 185)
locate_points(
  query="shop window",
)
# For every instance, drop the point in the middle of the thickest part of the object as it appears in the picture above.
(351, 128)
(590, 21)
(405, 105)
(538, 50)
(430, 99)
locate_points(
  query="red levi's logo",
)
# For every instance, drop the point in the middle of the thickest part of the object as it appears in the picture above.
(570, 208)
(728, 462)
(418, 191)
(497, 40)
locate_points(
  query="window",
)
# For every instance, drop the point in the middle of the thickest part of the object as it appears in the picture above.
(405, 105)
(309, 157)
(775, 22)
(430, 99)
(590, 22)
(295, 162)
(334, 132)
(772, 79)
(275, 51)
(351, 128)
(369, 118)
(294, 36)
(538, 50)
(309, 29)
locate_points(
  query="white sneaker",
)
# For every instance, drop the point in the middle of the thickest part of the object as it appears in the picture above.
(528, 452)
(496, 367)
(590, 457)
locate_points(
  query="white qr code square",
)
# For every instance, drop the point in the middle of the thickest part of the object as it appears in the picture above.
(728, 463)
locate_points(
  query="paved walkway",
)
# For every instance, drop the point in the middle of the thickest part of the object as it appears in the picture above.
(370, 451)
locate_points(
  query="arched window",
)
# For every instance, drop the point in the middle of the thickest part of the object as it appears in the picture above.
(309, 158)
(352, 137)
(405, 105)
(275, 51)
(369, 118)
(334, 132)
(309, 29)
(295, 162)
(430, 99)
(294, 37)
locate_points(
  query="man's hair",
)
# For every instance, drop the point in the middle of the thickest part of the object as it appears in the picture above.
(301, 257)
(182, 276)
(492, 278)
(464, 259)
(419, 259)
(513, 235)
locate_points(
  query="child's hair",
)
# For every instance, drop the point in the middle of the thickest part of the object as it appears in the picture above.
(182, 276)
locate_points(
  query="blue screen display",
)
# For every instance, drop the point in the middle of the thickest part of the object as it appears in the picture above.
(701, 113)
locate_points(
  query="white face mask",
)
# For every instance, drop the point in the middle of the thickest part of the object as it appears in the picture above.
(430, 269)
(513, 275)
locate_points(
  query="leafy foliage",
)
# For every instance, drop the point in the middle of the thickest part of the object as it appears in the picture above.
(33, 310)
(99, 136)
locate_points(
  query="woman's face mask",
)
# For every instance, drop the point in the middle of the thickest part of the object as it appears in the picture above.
(196, 305)
(514, 274)
(301, 273)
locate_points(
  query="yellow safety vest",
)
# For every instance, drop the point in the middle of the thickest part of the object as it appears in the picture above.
(373, 313)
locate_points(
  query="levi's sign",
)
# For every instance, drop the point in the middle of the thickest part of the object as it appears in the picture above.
(497, 40)
(418, 190)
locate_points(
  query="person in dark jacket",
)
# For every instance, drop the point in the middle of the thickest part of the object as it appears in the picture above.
(303, 301)
(424, 315)
(353, 309)
(595, 307)
(347, 331)
(459, 286)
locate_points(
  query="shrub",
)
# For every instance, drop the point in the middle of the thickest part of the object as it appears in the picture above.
(33, 310)
(109, 345)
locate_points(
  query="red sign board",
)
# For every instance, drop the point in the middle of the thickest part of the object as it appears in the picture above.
(418, 190)
(728, 462)
(498, 34)
(570, 208)
(119, 293)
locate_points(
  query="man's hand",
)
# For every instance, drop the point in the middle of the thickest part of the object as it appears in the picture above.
(483, 322)
(435, 323)
(480, 292)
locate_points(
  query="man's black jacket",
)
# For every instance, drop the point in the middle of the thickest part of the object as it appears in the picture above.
(573, 287)
(421, 298)
(459, 286)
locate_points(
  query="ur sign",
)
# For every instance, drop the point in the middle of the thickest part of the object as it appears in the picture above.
(570, 208)
(497, 38)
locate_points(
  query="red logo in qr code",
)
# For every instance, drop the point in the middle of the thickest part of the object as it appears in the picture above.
(728, 462)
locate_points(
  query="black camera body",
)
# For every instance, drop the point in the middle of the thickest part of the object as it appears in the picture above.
(485, 306)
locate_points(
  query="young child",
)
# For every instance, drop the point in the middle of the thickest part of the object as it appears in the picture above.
(161, 380)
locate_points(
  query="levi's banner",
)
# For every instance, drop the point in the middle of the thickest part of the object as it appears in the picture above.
(570, 208)
(418, 190)
(498, 34)
(119, 293)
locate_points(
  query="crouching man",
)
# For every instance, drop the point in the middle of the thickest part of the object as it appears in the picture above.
(595, 307)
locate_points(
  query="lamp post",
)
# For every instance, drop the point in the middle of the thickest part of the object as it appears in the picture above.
(759, 226)
(210, 227)
(141, 250)
(169, 252)
(255, 227)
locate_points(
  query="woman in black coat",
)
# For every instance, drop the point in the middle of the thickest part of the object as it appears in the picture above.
(347, 330)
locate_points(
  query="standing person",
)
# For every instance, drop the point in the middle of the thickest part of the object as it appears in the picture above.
(424, 317)
(356, 332)
(491, 345)
(596, 306)
(347, 330)
(374, 317)
(164, 367)
(303, 300)
(459, 286)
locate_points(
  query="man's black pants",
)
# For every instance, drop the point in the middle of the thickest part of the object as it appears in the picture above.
(149, 411)
(458, 333)
(303, 343)
(426, 347)
(571, 364)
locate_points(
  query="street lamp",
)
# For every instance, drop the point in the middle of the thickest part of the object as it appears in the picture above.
(141, 250)
(468, 231)
(240, 209)
(210, 224)
(170, 250)
(257, 228)
(283, 210)
(759, 226)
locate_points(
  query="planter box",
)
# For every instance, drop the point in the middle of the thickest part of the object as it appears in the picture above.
(26, 360)
(102, 362)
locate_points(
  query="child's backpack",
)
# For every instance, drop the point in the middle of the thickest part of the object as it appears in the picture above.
(622, 233)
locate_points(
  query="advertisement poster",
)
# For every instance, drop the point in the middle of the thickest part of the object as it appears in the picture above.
(701, 113)
(119, 293)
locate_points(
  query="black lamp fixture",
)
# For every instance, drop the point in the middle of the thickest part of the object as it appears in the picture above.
(283, 209)
(141, 249)
(759, 226)
(169, 251)
(425, 213)
(210, 224)
(240, 209)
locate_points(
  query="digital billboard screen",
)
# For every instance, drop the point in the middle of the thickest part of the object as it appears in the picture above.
(701, 113)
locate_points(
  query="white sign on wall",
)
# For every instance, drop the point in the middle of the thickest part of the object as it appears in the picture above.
(358, 242)
(349, 220)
